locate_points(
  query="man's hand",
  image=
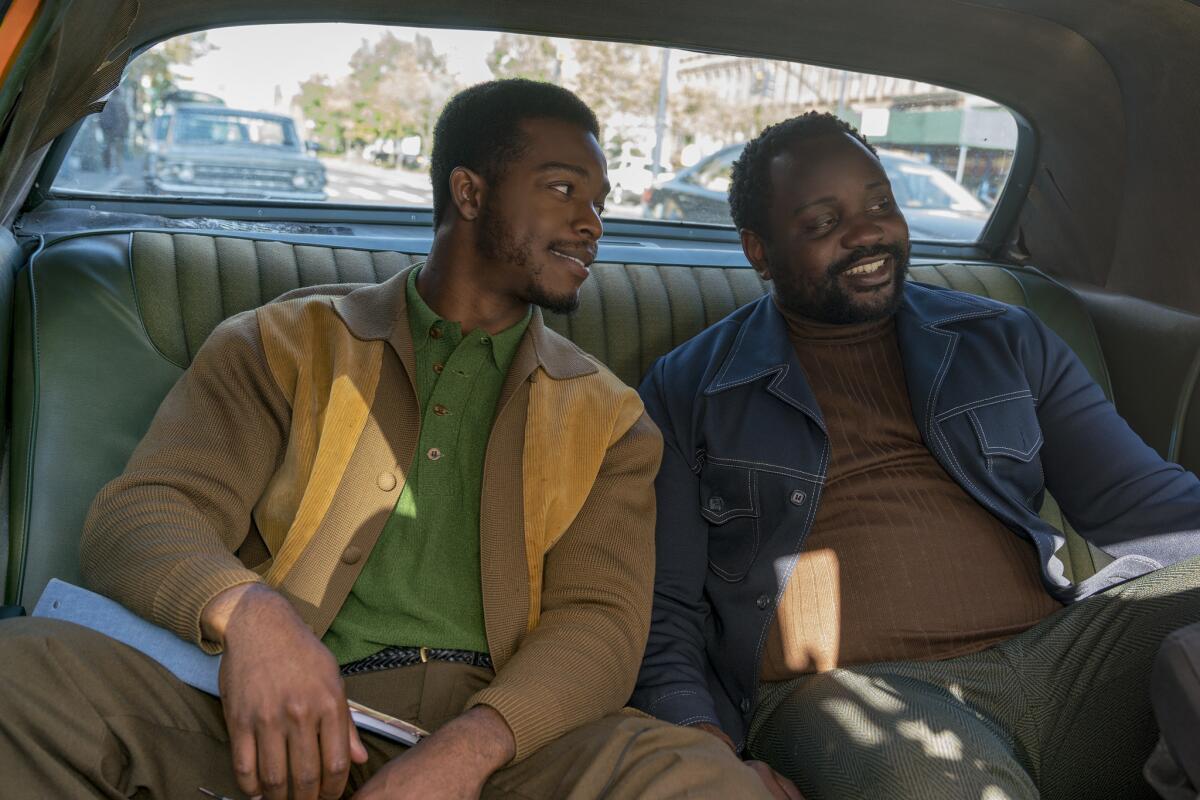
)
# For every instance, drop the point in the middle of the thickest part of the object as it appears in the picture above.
(780, 787)
(452, 764)
(285, 706)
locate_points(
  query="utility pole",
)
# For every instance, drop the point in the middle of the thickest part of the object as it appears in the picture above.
(660, 120)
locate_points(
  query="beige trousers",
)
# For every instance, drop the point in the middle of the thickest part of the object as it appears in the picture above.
(83, 716)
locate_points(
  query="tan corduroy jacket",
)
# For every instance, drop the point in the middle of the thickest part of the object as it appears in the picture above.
(279, 456)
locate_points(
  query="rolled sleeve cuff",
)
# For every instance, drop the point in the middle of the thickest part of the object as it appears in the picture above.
(533, 722)
(188, 590)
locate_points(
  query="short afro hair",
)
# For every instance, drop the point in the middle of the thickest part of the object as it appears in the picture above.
(750, 183)
(480, 129)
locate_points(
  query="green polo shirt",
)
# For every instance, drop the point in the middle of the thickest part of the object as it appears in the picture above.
(421, 585)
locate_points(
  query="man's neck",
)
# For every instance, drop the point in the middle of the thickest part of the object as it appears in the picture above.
(802, 328)
(454, 283)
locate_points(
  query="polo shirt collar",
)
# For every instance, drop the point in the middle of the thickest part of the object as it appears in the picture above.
(380, 312)
(423, 320)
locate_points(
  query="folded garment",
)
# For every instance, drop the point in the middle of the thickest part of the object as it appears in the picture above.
(1173, 769)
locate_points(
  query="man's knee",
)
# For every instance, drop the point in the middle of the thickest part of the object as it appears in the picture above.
(629, 756)
(25, 642)
(60, 663)
(659, 759)
(847, 735)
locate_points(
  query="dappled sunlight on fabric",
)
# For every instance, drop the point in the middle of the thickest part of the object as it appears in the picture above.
(944, 745)
(853, 720)
(994, 793)
(807, 633)
(875, 692)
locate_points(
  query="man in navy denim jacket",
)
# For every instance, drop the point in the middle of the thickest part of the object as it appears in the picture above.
(854, 584)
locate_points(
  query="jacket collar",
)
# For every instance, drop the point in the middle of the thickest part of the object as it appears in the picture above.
(762, 346)
(380, 312)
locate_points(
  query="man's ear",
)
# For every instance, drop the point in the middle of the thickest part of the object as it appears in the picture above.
(466, 192)
(756, 252)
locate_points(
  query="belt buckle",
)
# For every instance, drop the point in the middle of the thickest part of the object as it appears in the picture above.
(424, 651)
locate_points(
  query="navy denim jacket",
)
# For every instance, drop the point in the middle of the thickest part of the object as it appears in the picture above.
(1000, 400)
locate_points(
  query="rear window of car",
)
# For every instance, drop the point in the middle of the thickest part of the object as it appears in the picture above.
(343, 114)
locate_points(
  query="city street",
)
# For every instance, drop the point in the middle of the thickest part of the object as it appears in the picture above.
(349, 180)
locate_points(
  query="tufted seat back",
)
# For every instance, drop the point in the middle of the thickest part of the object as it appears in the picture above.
(105, 323)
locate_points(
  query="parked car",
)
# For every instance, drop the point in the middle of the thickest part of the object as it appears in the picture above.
(631, 176)
(935, 206)
(202, 150)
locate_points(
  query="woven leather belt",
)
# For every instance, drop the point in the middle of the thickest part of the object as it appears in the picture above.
(394, 657)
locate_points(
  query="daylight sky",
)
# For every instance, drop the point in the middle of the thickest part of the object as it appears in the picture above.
(249, 63)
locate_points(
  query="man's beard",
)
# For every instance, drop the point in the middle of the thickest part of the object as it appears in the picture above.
(497, 244)
(824, 300)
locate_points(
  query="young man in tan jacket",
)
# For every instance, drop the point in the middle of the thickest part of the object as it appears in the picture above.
(411, 494)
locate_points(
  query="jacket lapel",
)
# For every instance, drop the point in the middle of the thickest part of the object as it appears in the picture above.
(927, 341)
(761, 349)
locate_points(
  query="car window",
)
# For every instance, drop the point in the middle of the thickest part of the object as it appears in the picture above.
(214, 128)
(343, 114)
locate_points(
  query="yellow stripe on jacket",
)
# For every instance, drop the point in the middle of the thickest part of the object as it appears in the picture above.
(331, 378)
(560, 462)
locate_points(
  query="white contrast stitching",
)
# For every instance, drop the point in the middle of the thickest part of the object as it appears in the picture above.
(989, 448)
(668, 695)
(984, 401)
(698, 718)
(765, 467)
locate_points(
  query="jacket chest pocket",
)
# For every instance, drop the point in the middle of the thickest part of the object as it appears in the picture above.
(729, 502)
(1008, 437)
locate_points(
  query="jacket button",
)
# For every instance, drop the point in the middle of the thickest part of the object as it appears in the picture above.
(745, 705)
(386, 481)
(351, 555)
(763, 602)
(798, 497)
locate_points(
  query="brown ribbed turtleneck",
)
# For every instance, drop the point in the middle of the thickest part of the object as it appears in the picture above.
(901, 563)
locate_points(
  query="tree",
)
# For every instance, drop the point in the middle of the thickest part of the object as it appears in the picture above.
(532, 57)
(620, 83)
(156, 73)
(327, 109)
(700, 114)
(395, 89)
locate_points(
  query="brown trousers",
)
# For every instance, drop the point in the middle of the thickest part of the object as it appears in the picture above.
(83, 716)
